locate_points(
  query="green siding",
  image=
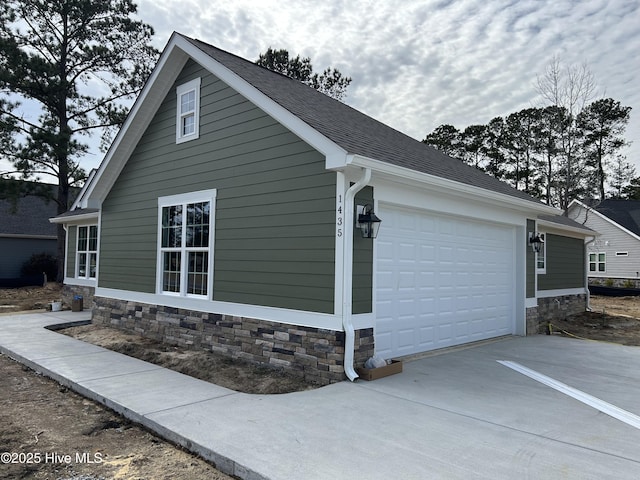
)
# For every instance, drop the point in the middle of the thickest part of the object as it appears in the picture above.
(72, 245)
(362, 261)
(274, 219)
(565, 263)
(531, 262)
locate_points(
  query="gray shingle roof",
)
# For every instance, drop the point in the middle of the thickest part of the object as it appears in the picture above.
(352, 130)
(31, 217)
(624, 212)
(564, 221)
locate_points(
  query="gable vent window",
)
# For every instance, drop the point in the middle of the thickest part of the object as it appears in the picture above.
(188, 111)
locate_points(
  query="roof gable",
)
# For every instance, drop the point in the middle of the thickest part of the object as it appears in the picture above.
(336, 130)
(607, 215)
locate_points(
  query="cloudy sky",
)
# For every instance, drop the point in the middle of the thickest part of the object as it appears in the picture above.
(419, 64)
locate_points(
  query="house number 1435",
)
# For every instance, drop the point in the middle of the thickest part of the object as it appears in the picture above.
(339, 217)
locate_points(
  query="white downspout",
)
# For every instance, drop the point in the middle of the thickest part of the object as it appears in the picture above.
(586, 273)
(347, 280)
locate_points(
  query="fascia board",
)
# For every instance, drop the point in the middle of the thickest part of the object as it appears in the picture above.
(71, 219)
(335, 155)
(605, 218)
(553, 227)
(153, 93)
(451, 186)
(85, 187)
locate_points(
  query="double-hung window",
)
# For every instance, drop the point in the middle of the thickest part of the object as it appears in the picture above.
(87, 251)
(188, 111)
(185, 240)
(597, 262)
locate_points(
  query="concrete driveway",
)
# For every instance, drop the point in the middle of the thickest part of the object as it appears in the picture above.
(457, 415)
(481, 419)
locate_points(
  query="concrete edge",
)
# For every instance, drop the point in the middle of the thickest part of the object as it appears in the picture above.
(224, 464)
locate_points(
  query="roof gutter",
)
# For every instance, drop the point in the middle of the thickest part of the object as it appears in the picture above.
(419, 178)
(347, 272)
(82, 217)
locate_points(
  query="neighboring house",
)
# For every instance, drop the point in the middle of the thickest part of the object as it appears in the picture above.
(614, 257)
(25, 230)
(223, 216)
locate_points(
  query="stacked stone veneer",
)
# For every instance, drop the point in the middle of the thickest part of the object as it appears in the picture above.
(551, 308)
(70, 291)
(315, 354)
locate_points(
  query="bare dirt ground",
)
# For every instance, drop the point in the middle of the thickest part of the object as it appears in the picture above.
(43, 423)
(208, 366)
(52, 433)
(28, 298)
(611, 319)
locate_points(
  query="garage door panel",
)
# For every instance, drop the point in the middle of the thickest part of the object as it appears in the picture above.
(440, 281)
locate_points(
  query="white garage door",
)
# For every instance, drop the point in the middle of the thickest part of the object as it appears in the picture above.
(441, 281)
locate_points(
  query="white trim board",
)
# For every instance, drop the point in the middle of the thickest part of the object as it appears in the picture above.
(560, 292)
(302, 318)
(604, 407)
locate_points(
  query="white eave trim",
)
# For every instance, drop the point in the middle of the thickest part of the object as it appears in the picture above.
(81, 218)
(553, 227)
(83, 191)
(144, 108)
(451, 186)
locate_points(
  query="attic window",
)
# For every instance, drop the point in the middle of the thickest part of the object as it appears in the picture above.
(188, 111)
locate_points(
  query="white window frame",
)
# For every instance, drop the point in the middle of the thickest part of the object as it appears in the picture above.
(597, 262)
(184, 250)
(542, 255)
(88, 252)
(181, 116)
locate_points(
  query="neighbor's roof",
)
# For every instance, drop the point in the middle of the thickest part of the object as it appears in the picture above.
(625, 213)
(30, 218)
(355, 132)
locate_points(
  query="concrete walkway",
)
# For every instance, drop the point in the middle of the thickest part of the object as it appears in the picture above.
(458, 415)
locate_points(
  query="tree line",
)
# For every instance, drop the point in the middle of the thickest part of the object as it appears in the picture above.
(567, 149)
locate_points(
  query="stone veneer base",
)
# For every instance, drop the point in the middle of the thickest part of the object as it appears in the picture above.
(317, 355)
(70, 291)
(551, 308)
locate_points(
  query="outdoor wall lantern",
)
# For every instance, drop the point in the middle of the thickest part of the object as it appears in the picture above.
(367, 222)
(536, 240)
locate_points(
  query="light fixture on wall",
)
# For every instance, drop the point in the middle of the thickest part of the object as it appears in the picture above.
(368, 222)
(536, 240)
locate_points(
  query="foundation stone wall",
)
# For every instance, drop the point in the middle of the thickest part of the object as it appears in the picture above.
(315, 354)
